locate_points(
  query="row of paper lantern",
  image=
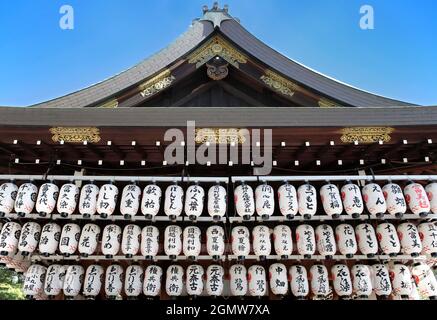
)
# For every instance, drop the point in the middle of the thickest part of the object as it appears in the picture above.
(407, 239)
(360, 280)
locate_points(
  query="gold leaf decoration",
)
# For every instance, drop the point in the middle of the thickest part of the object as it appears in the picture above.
(75, 134)
(112, 104)
(325, 103)
(220, 136)
(366, 135)
(157, 84)
(279, 83)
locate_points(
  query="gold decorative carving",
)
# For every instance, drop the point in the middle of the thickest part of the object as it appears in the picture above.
(279, 84)
(217, 47)
(325, 103)
(220, 136)
(75, 134)
(366, 135)
(217, 72)
(112, 104)
(157, 84)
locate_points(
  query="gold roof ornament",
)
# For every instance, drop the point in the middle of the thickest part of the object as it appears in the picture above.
(325, 103)
(111, 104)
(75, 134)
(279, 83)
(220, 136)
(366, 135)
(156, 84)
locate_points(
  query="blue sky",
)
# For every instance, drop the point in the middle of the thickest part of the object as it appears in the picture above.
(40, 61)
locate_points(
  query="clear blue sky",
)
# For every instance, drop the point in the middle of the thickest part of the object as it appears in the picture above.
(39, 61)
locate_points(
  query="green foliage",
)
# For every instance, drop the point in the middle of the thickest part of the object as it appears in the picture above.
(10, 289)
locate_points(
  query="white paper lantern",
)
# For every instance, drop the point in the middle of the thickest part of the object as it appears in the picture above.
(265, 201)
(388, 239)
(374, 200)
(73, 281)
(306, 240)
(238, 280)
(244, 201)
(194, 199)
(149, 242)
(151, 201)
(431, 192)
(214, 285)
(262, 246)
(192, 243)
(111, 240)
(89, 239)
(331, 200)
(93, 281)
(299, 282)
(113, 281)
(88, 200)
(307, 199)
(194, 280)
(425, 280)
(320, 281)
(174, 282)
(361, 280)
(396, 204)
(215, 242)
(278, 279)
(352, 200)
(130, 201)
(367, 240)
(153, 281)
(107, 200)
(428, 237)
(288, 204)
(49, 241)
(69, 239)
(341, 280)
(174, 201)
(346, 240)
(325, 238)
(29, 238)
(240, 242)
(130, 244)
(257, 281)
(54, 280)
(417, 199)
(67, 202)
(26, 198)
(381, 280)
(217, 202)
(401, 280)
(133, 283)
(8, 194)
(9, 238)
(34, 281)
(410, 239)
(47, 198)
(173, 241)
(283, 241)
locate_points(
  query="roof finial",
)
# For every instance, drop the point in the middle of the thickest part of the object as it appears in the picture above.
(216, 14)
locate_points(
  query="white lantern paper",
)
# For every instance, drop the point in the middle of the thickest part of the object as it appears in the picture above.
(352, 200)
(374, 200)
(262, 246)
(214, 280)
(8, 194)
(47, 198)
(428, 237)
(69, 239)
(410, 239)
(320, 281)
(173, 241)
(265, 201)
(195, 274)
(54, 280)
(257, 281)
(346, 240)
(278, 279)
(34, 281)
(299, 282)
(194, 199)
(238, 280)
(93, 281)
(307, 199)
(341, 280)
(366, 238)
(9, 238)
(425, 280)
(396, 204)
(149, 242)
(431, 192)
(331, 200)
(111, 240)
(29, 238)
(244, 201)
(361, 280)
(130, 201)
(133, 283)
(306, 240)
(288, 204)
(174, 283)
(401, 280)
(130, 244)
(73, 281)
(283, 241)
(417, 199)
(174, 201)
(192, 243)
(107, 200)
(240, 242)
(217, 202)
(215, 242)
(89, 239)
(49, 241)
(381, 280)
(151, 201)
(113, 281)
(325, 238)
(88, 200)
(68, 197)
(388, 239)
(26, 198)
(153, 281)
